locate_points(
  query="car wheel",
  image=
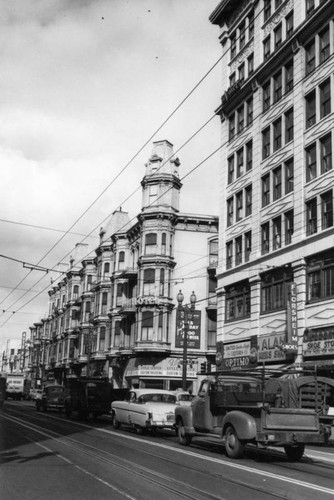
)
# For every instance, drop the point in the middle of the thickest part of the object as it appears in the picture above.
(140, 430)
(115, 422)
(233, 445)
(184, 438)
(294, 452)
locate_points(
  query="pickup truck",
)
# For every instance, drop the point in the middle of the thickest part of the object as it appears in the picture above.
(237, 408)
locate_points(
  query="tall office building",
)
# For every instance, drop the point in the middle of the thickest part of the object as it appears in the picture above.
(276, 233)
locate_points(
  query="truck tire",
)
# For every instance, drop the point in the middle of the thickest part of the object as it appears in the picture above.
(294, 452)
(115, 422)
(184, 438)
(233, 445)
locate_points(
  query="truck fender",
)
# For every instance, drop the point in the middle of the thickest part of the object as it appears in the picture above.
(185, 414)
(243, 423)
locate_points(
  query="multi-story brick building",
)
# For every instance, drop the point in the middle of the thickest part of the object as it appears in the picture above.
(276, 260)
(116, 311)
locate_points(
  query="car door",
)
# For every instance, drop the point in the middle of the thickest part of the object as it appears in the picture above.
(135, 410)
(202, 416)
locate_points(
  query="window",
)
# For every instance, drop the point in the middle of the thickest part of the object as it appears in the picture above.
(325, 98)
(311, 162)
(242, 35)
(277, 183)
(266, 96)
(250, 63)
(277, 233)
(310, 109)
(289, 176)
(237, 301)
(75, 292)
(277, 86)
(232, 79)
(119, 294)
(289, 76)
(288, 223)
(147, 325)
(278, 36)
(163, 244)
(274, 290)
(121, 260)
(324, 48)
(229, 254)
(250, 25)
(267, 9)
(230, 172)
(149, 282)
(117, 335)
(278, 3)
(289, 125)
(230, 212)
(326, 153)
(213, 253)
(289, 24)
(240, 162)
(266, 143)
(277, 134)
(151, 244)
(249, 156)
(160, 326)
(266, 48)
(310, 57)
(320, 277)
(233, 40)
(104, 305)
(327, 210)
(241, 72)
(311, 217)
(240, 119)
(162, 282)
(309, 7)
(249, 111)
(239, 205)
(265, 238)
(238, 250)
(102, 339)
(248, 245)
(265, 190)
(248, 196)
(152, 194)
(106, 269)
(231, 126)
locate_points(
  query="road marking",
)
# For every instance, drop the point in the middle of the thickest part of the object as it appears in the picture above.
(184, 452)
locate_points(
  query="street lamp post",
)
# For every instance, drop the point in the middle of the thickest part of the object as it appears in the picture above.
(187, 312)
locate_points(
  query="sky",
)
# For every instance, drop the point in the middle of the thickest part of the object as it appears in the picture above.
(84, 85)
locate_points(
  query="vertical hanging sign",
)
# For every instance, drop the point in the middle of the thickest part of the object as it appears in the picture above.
(292, 327)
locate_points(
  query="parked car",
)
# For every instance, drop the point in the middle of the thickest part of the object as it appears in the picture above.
(184, 398)
(53, 397)
(145, 409)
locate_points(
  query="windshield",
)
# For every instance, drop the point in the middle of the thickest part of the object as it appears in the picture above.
(157, 398)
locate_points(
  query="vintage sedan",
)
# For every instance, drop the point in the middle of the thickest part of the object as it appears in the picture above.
(145, 409)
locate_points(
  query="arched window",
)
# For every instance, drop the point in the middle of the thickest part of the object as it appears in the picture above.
(151, 244)
(147, 325)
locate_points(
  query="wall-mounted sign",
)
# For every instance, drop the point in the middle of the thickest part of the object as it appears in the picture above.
(291, 343)
(270, 347)
(318, 341)
(193, 329)
(152, 367)
(148, 300)
(239, 355)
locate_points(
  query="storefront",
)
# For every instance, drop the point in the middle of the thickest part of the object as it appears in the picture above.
(161, 373)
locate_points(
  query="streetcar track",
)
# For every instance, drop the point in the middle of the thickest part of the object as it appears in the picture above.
(160, 479)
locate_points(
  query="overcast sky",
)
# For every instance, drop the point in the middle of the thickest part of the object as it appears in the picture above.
(83, 86)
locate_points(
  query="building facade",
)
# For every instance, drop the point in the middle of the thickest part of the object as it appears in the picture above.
(115, 313)
(276, 239)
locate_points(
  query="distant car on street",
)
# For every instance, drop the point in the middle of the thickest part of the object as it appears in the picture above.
(145, 409)
(184, 398)
(52, 397)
